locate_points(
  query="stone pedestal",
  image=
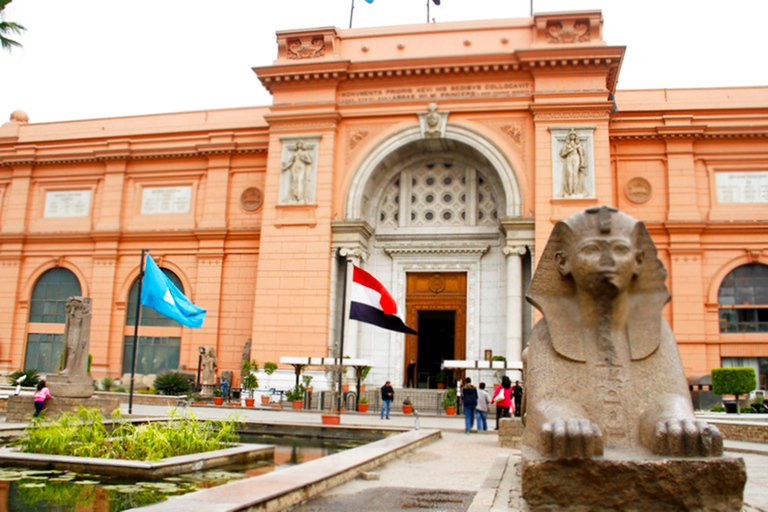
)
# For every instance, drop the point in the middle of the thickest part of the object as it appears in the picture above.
(510, 432)
(619, 481)
(21, 407)
(70, 386)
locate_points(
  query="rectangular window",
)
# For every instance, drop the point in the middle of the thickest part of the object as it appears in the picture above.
(43, 352)
(155, 354)
(744, 320)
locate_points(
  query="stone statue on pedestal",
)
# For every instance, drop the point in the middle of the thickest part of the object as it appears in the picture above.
(603, 375)
(74, 380)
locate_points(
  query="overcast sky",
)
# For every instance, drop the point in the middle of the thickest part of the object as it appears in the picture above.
(87, 59)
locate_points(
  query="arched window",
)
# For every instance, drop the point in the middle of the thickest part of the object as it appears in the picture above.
(158, 351)
(743, 299)
(46, 306)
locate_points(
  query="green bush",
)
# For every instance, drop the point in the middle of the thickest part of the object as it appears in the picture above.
(449, 398)
(717, 408)
(172, 383)
(733, 381)
(107, 383)
(269, 367)
(32, 377)
(295, 393)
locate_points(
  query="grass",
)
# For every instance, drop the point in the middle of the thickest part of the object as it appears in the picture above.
(84, 434)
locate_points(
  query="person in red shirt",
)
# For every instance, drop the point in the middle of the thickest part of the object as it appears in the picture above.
(40, 395)
(503, 407)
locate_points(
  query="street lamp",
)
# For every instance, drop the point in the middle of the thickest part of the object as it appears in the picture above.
(199, 364)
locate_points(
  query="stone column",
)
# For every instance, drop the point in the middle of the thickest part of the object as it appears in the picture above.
(514, 343)
(351, 330)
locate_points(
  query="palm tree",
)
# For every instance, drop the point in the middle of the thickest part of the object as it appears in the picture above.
(8, 27)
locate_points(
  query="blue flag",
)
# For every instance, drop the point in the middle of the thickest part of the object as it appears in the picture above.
(160, 294)
(369, 1)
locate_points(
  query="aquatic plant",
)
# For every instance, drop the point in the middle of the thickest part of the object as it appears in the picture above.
(84, 434)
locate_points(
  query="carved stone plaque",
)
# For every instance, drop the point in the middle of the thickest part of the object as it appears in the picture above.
(165, 200)
(742, 187)
(638, 190)
(61, 204)
(251, 199)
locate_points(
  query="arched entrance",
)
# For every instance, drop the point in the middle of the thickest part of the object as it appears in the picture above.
(426, 207)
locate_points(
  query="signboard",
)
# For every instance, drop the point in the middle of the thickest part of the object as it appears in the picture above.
(742, 187)
(61, 204)
(165, 200)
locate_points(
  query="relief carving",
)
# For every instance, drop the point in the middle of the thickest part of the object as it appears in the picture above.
(578, 32)
(297, 180)
(574, 166)
(306, 48)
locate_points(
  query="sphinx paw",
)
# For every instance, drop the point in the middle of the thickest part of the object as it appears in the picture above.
(687, 438)
(571, 439)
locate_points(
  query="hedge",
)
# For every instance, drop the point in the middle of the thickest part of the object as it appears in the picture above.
(733, 381)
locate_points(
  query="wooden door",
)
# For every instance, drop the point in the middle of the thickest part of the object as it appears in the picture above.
(436, 291)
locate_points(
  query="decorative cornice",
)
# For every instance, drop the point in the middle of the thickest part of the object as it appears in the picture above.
(551, 114)
(409, 248)
(100, 156)
(652, 134)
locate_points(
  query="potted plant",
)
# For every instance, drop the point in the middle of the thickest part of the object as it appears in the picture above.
(363, 374)
(362, 405)
(407, 406)
(296, 396)
(440, 379)
(449, 402)
(250, 381)
(217, 398)
(331, 418)
(307, 380)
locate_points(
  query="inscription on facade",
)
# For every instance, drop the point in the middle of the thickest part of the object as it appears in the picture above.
(60, 204)
(742, 187)
(434, 92)
(165, 200)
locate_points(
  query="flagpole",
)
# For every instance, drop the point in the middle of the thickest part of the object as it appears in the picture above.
(428, 10)
(341, 342)
(136, 331)
(351, 11)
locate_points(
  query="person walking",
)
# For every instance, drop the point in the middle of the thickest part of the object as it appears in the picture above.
(40, 396)
(483, 401)
(517, 396)
(411, 375)
(505, 403)
(387, 395)
(469, 399)
(224, 386)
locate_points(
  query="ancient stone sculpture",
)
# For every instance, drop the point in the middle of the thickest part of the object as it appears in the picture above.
(244, 358)
(73, 380)
(432, 128)
(574, 166)
(209, 365)
(299, 165)
(602, 367)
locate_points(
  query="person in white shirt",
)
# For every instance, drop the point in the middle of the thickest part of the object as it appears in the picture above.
(483, 400)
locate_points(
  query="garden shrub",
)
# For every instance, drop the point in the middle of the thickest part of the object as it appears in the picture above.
(172, 383)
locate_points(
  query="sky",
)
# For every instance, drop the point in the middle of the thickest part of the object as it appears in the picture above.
(85, 59)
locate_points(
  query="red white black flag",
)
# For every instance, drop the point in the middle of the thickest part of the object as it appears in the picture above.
(371, 303)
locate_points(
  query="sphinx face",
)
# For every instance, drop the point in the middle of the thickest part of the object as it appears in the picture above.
(603, 266)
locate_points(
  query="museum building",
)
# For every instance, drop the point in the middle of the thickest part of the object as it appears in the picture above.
(437, 157)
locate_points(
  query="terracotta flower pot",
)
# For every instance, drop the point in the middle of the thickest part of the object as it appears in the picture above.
(441, 385)
(331, 419)
(218, 400)
(297, 404)
(362, 407)
(264, 399)
(233, 404)
(362, 388)
(276, 406)
(450, 411)
(249, 402)
(407, 409)
(200, 403)
(345, 387)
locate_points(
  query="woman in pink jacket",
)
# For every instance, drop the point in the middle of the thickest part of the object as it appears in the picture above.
(40, 395)
(503, 407)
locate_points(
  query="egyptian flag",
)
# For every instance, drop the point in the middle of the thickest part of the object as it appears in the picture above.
(372, 303)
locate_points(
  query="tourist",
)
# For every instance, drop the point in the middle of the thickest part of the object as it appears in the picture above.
(469, 399)
(517, 395)
(387, 395)
(40, 396)
(224, 386)
(503, 404)
(483, 400)
(411, 374)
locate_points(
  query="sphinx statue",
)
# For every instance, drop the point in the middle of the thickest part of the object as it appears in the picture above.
(602, 369)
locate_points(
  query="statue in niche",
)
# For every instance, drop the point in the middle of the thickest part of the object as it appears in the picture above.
(77, 333)
(209, 365)
(574, 166)
(602, 368)
(299, 165)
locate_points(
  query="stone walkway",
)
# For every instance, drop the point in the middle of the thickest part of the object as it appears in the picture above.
(467, 473)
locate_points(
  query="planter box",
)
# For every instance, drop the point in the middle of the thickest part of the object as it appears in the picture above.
(331, 419)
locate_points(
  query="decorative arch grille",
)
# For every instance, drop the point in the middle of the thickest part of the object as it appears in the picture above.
(743, 299)
(156, 353)
(437, 194)
(47, 306)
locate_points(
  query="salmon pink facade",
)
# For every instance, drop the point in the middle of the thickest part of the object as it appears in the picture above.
(437, 157)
